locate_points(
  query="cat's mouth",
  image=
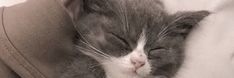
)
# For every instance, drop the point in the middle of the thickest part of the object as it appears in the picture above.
(136, 72)
(140, 72)
(132, 71)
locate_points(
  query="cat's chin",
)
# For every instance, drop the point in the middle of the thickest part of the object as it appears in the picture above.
(134, 74)
(137, 73)
(126, 73)
(121, 68)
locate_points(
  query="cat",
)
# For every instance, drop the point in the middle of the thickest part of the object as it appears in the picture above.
(128, 39)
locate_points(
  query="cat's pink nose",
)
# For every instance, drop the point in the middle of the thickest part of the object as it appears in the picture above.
(138, 62)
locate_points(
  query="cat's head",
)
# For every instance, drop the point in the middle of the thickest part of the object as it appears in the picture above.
(133, 38)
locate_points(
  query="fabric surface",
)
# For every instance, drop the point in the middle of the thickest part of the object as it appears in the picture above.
(6, 72)
(36, 38)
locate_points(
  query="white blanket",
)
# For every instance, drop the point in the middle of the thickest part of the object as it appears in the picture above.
(210, 48)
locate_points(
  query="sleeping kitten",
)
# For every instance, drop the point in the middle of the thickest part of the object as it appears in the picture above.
(128, 39)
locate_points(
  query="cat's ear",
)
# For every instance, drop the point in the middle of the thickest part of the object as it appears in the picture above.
(99, 6)
(73, 7)
(76, 7)
(184, 22)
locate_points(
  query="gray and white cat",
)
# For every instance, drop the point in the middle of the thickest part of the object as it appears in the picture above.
(128, 39)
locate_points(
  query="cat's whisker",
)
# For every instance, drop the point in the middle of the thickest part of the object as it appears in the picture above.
(177, 19)
(121, 12)
(161, 37)
(95, 65)
(96, 51)
(164, 35)
(126, 20)
(163, 30)
(125, 17)
(86, 51)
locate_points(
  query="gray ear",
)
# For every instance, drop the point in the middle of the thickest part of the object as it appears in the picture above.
(99, 6)
(73, 7)
(76, 8)
(184, 22)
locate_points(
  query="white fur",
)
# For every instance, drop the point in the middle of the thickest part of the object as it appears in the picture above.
(210, 48)
(123, 68)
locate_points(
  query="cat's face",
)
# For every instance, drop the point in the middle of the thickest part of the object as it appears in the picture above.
(134, 38)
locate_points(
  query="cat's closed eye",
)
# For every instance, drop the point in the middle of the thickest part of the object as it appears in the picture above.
(156, 53)
(120, 39)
